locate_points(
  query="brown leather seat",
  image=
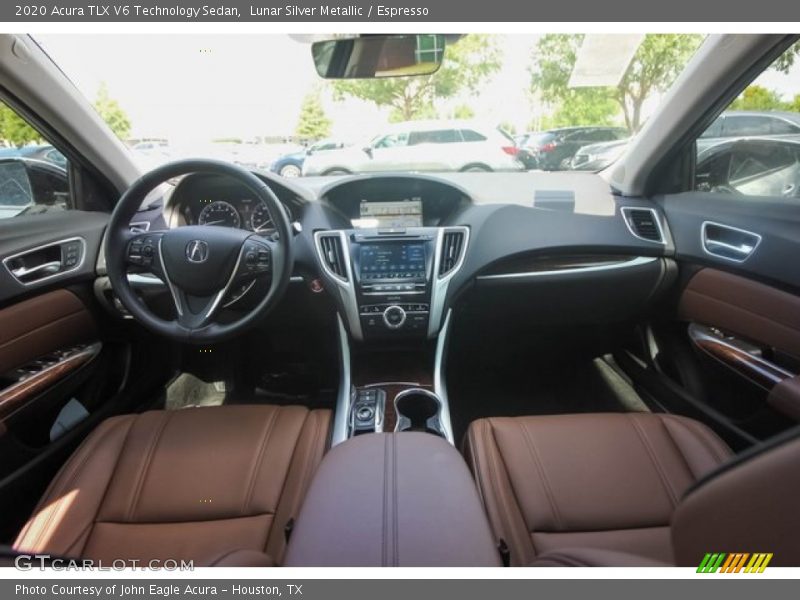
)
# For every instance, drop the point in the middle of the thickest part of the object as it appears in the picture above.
(607, 482)
(214, 485)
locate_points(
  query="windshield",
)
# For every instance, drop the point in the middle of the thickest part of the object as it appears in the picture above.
(498, 103)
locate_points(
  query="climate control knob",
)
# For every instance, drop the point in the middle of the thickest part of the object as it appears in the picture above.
(394, 317)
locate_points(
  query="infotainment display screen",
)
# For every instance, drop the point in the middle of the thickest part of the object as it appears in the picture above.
(393, 260)
(394, 213)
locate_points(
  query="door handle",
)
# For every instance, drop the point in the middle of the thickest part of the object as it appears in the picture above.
(43, 270)
(730, 243)
(717, 247)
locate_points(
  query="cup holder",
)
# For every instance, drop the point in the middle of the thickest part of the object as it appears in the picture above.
(418, 410)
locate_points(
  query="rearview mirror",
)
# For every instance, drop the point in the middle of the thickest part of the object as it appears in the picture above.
(379, 56)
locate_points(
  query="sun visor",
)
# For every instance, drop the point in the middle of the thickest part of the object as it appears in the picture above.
(603, 59)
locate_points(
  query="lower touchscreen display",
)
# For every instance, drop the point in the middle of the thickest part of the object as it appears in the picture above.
(393, 261)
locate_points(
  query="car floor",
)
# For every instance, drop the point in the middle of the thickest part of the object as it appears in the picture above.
(187, 390)
(579, 386)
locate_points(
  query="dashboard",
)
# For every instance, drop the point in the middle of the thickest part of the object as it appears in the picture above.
(395, 252)
(208, 200)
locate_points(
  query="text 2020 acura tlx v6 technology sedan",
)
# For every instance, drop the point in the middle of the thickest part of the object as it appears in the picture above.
(204, 363)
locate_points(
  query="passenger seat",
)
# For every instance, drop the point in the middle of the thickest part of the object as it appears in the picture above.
(611, 490)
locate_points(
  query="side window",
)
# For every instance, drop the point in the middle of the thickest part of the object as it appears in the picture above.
(746, 125)
(33, 174)
(601, 135)
(576, 136)
(393, 140)
(470, 135)
(753, 148)
(781, 127)
(438, 136)
(714, 130)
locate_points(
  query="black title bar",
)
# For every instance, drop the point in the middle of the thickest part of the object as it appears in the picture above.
(402, 11)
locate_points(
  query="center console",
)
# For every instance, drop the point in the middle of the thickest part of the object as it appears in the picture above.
(391, 283)
(394, 499)
(401, 492)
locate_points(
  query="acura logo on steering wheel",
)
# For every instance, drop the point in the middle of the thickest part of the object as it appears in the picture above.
(197, 251)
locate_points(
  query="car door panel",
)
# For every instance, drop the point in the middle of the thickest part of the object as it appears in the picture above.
(49, 323)
(42, 324)
(22, 235)
(733, 341)
(776, 221)
(744, 307)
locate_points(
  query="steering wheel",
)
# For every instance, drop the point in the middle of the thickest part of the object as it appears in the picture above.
(199, 264)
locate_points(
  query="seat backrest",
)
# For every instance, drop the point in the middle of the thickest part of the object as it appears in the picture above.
(749, 505)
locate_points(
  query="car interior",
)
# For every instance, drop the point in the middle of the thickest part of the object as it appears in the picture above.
(210, 363)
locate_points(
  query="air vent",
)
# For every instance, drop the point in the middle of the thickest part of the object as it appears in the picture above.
(452, 249)
(331, 247)
(643, 223)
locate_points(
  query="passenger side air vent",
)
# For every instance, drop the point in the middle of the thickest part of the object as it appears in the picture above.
(452, 249)
(331, 249)
(643, 223)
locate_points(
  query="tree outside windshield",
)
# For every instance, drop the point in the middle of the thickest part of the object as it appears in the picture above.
(498, 103)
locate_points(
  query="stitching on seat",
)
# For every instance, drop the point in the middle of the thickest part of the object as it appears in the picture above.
(699, 433)
(494, 473)
(395, 501)
(476, 469)
(384, 531)
(90, 526)
(307, 466)
(154, 439)
(312, 447)
(503, 504)
(637, 427)
(678, 448)
(193, 520)
(540, 468)
(265, 435)
(64, 481)
(58, 491)
(308, 470)
(284, 490)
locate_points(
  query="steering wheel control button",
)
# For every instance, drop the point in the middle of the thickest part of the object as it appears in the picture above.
(141, 251)
(394, 317)
(256, 259)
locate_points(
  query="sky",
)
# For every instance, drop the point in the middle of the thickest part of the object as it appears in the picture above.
(193, 88)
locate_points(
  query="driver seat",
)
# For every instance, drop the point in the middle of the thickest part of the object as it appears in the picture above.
(215, 485)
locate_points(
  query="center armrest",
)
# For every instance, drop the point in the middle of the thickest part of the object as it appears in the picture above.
(394, 499)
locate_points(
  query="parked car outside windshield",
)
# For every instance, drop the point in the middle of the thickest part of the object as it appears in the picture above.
(291, 164)
(423, 146)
